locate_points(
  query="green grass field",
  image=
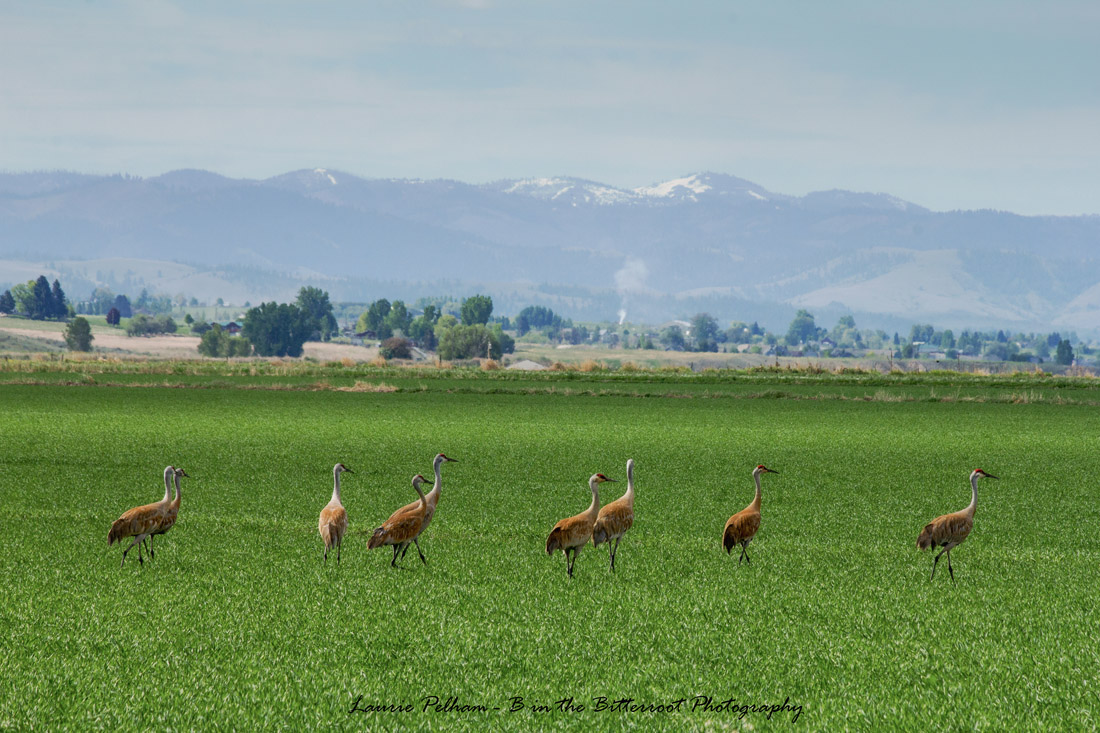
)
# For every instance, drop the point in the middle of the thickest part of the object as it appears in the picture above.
(238, 624)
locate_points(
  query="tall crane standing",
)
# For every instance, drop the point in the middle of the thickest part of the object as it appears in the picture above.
(951, 530)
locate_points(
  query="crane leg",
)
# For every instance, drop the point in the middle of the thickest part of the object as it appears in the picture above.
(152, 554)
(339, 546)
(616, 552)
(418, 552)
(742, 556)
(393, 562)
(949, 568)
(934, 562)
(404, 550)
(137, 541)
(569, 562)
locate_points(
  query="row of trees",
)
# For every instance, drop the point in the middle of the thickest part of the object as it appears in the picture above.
(103, 300)
(467, 336)
(36, 299)
(143, 325)
(216, 342)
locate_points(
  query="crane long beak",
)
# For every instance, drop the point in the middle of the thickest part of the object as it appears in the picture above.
(989, 475)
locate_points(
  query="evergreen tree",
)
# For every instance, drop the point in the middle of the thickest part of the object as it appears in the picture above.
(78, 335)
(1064, 354)
(43, 299)
(123, 304)
(57, 301)
(113, 317)
(7, 302)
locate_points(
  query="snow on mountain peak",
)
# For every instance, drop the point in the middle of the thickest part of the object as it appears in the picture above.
(573, 191)
(678, 187)
(323, 172)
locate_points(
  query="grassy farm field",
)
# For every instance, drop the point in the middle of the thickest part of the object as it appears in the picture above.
(237, 623)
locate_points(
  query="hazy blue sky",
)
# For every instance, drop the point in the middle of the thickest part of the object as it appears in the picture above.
(986, 104)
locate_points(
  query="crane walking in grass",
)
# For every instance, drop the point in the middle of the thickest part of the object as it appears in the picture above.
(616, 518)
(169, 519)
(951, 530)
(402, 527)
(573, 533)
(141, 521)
(742, 526)
(432, 498)
(333, 522)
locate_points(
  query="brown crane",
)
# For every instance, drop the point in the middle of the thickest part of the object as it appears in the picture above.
(742, 526)
(951, 530)
(616, 518)
(573, 533)
(402, 527)
(169, 519)
(333, 522)
(432, 497)
(140, 521)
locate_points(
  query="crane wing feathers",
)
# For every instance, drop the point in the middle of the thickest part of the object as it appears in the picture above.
(332, 524)
(397, 529)
(948, 529)
(553, 542)
(740, 527)
(571, 532)
(614, 520)
(139, 520)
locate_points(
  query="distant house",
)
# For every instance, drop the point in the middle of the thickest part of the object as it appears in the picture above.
(232, 328)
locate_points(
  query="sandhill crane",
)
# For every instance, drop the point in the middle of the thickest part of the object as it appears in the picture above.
(615, 518)
(573, 533)
(402, 527)
(169, 519)
(334, 520)
(140, 521)
(951, 529)
(432, 497)
(742, 526)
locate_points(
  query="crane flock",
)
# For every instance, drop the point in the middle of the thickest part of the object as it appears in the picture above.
(607, 524)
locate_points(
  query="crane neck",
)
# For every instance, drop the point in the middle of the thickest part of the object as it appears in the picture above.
(169, 472)
(629, 482)
(335, 486)
(594, 507)
(176, 500)
(437, 487)
(973, 495)
(423, 499)
(756, 499)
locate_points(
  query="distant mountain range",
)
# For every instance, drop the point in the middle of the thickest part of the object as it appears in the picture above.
(702, 242)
